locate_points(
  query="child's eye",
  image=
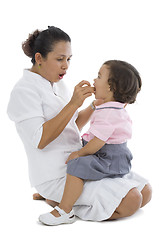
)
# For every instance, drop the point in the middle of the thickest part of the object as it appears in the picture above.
(60, 59)
(69, 59)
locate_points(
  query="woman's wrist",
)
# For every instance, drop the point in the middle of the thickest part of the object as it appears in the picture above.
(73, 105)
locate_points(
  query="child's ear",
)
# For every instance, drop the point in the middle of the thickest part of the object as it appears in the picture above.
(113, 87)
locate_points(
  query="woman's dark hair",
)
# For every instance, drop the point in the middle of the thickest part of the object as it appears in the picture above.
(124, 81)
(43, 41)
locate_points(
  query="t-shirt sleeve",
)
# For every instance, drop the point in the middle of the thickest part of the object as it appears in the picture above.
(25, 109)
(101, 127)
(31, 130)
(24, 104)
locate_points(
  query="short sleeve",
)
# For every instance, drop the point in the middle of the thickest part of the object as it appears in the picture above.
(24, 104)
(25, 109)
(31, 130)
(101, 127)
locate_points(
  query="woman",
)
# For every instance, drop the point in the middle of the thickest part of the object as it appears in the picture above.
(48, 123)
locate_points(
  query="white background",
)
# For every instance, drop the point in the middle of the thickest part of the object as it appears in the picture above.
(100, 30)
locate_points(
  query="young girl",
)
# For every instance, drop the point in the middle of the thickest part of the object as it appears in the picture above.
(104, 153)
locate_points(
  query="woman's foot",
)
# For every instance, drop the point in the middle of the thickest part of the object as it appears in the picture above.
(51, 203)
(37, 196)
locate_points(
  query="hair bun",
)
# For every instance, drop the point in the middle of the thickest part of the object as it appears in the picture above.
(28, 45)
(43, 42)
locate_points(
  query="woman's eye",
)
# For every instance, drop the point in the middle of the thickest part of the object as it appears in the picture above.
(60, 59)
(69, 59)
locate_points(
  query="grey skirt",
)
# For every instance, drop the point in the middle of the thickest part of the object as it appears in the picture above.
(112, 160)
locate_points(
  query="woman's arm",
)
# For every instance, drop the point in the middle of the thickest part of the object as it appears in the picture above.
(90, 148)
(53, 127)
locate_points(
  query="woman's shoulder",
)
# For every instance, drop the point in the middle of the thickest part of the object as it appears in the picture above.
(23, 101)
(25, 86)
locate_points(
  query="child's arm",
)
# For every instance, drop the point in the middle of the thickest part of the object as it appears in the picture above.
(90, 148)
(85, 114)
(83, 117)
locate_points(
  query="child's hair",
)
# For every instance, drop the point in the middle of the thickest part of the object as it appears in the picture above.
(124, 81)
(43, 42)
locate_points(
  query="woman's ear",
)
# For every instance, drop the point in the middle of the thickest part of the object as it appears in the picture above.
(38, 58)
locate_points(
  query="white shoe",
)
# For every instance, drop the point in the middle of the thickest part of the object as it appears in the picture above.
(51, 220)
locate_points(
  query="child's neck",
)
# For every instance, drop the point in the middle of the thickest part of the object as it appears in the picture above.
(109, 99)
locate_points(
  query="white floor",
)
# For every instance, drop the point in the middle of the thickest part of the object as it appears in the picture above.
(19, 220)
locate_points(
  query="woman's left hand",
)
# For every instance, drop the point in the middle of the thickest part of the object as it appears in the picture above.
(72, 156)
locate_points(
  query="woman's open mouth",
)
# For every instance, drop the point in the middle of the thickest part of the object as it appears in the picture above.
(61, 75)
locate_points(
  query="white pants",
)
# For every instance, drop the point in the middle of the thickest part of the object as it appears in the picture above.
(99, 199)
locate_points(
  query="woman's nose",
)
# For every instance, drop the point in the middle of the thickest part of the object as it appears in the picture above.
(65, 65)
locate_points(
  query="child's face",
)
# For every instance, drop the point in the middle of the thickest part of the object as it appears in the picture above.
(102, 88)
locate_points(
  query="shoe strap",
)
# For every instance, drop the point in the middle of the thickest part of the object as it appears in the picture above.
(61, 211)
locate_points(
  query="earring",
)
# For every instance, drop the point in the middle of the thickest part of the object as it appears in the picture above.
(39, 66)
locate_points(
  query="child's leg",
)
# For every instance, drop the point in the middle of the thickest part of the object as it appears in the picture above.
(72, 191)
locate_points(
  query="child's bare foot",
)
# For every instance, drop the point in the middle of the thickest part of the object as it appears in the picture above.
(37, 196)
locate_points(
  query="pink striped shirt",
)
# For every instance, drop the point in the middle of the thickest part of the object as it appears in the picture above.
(111, 123)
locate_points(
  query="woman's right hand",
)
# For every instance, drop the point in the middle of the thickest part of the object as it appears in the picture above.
(81, 92)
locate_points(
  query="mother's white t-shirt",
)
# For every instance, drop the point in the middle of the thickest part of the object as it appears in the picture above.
(33, 101)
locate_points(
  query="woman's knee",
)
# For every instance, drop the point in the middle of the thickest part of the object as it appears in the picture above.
(130, 203)
(146, 194)
(134, 200)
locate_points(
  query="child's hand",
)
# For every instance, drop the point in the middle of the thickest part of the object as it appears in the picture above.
(72, 156)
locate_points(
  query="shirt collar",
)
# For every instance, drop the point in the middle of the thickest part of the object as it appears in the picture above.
(31, 76)
(38, 79)
(111, 104)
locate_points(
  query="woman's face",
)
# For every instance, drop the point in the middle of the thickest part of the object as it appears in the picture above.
(55, 65)
(102, 88)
